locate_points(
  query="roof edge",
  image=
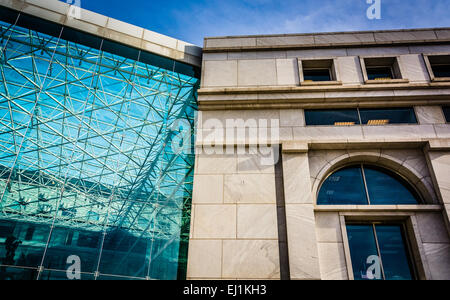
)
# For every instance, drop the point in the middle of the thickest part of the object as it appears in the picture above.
(112, 29)
(328, 39)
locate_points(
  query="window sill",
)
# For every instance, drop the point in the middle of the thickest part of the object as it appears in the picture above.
(387, 81)
(441, 79)
(377, 208)
(313, 83)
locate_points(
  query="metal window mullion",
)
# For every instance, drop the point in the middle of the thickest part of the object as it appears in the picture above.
(41, 266)
(365, 184)
(359, 116)
(378, 250)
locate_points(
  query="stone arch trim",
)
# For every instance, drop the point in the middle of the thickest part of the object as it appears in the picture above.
(420, 182)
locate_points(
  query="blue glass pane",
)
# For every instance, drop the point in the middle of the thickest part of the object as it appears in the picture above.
(125, 253)
(393, 253)
(363, 251)
(59, 275)
(441, 71)
(22, 244)
(317, 75)
(385, 188)
(66, 242)
(86, 145)
(345, 186)
(388, 116)
(332, 117)
(379, 73)
(15, 273)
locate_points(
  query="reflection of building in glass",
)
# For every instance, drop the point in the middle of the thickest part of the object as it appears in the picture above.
(89, 160)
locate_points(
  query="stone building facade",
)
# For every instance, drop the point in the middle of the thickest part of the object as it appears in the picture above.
(253, 220)
(317, 156)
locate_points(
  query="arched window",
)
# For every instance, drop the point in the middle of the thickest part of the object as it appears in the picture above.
(364, 184)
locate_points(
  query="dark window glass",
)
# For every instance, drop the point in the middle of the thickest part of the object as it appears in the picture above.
(61, 275)
(125, 254)
(317, 74)
(392, 263)
(446, 110)
(14, 273)
(332, 117)
(345, 186)
(44, 26)
(363, 252)
(64, 243)
(393, 253)
(388, 116)
(384, 188)
(441, 70)
(19, 247)
(75, 36)
(380, 73)
(8, 15)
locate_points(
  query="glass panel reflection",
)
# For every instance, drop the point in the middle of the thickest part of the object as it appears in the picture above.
(332, 117)
(384, 188)
(22, 244)
(364, 254)
(392, 263)
(348, 186)
(345, 186)
(388, 116)
(86, 138)
(393, 253)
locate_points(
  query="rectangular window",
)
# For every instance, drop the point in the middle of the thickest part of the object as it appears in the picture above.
(379, 73)
(438, 66)
(381, 68)
(339, 117)
(317, 70)
(349, 117)
(379, 252)
(388, 116)
(317, 75)
(446, 110)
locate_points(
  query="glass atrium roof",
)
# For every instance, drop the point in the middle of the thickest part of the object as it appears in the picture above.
(90, 161)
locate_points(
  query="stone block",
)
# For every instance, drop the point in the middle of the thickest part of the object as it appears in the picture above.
(251, 259)
(215, 222)
(208, 189)
(257, 221)
(204, 259)
(220, 73)
(250, 188)
(261, 72)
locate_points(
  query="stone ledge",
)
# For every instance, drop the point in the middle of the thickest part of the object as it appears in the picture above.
(439, 144)
(377, 208)
(326, 40)
(294, 147)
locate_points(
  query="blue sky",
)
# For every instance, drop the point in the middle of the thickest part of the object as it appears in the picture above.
(191, 20)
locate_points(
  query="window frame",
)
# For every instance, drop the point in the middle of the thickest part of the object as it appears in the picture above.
(426, 58)
(400, 72)
(359, 117)
(402, 179)
(334, 74)
(417, 258)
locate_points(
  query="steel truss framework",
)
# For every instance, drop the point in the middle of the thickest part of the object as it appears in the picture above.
(86, 160)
